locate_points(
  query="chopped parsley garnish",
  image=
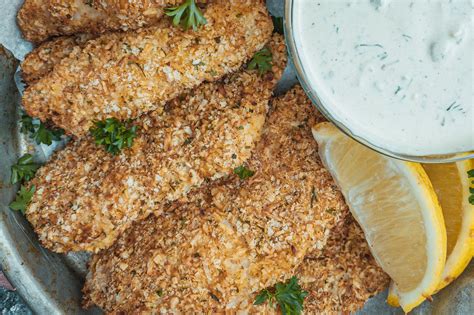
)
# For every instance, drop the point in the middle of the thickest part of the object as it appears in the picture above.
(243, 172)
(38, 131)
(23, 198)
(114, 135)
(470, 174)
(261, 61)
(278, 24)
(24, 169)
(288, 296)
(187, 15)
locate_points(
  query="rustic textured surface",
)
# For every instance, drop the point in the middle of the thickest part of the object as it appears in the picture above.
(231, 239)
(85, 197)
(12, 304)
(124, 75)
(41, 19)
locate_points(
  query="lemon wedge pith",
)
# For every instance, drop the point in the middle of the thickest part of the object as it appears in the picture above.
(451, 185)
(397, 208)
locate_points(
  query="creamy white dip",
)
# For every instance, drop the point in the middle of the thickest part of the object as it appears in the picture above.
(397, 73)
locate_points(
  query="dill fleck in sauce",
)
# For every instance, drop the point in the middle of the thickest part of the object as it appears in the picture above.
(398, 73)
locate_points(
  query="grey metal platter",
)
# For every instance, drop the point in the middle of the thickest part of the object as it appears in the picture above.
(51, 283)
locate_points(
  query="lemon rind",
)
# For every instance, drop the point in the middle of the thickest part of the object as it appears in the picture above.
(435, 219)
(462, 252)
(436, 246)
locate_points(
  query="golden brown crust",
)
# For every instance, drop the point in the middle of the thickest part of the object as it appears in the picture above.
(344, 275)
(339, 278)
(85, 197)
(41, 19)
(341, 275)
(42, 59)
(124, 75)
(230, 239)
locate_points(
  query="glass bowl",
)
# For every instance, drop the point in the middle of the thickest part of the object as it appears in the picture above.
(312, 93)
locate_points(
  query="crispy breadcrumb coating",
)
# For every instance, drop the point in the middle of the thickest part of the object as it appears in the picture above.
(231, 239)
(85, 197)
(41, 60)
(344, 275)
(124, 75)
(341, 277)
(41, 19)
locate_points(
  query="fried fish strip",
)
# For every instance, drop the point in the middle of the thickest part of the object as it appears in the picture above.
(124, 75)
(230, 239)
(42, 59)
(341, 277)
(41, 19)
(86, 197)
(344, 275)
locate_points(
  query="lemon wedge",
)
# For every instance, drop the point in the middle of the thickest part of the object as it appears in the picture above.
(397, 208)
(451, 184)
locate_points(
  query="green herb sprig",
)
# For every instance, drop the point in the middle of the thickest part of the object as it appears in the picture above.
(243, 172)
(24, 169)
(187, 15)
(114, 135)
(23, 199)
(289, 296)
(38, 131)
(470, 174)
(261, 61)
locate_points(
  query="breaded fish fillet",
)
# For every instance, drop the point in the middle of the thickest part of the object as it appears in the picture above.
(86, 197)
(124, 75)
(41, 60)
(41, 19)
(344, 275)
(340, 277)
(230, 239)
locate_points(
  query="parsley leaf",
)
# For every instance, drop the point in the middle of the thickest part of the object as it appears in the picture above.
(261, 61)
(27, 125)
(38, 131)
(114, 135)
(23, 198)
(243, 172)
(289, 296)
(46, 136)
(24, 169)
(187, 15)
(470, 174)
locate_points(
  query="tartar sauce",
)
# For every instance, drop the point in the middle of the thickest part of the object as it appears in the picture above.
(397, 73)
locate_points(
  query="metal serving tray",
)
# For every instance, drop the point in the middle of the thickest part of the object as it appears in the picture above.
(51, 283)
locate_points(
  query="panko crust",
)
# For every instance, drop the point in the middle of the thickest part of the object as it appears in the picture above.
(344, 275)
(42, 19)
(232, 238)
(125, 75)
(85, 197)
(41, 60)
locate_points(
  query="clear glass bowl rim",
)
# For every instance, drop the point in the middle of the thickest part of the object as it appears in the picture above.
(312, 94)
